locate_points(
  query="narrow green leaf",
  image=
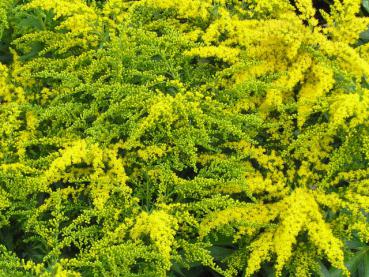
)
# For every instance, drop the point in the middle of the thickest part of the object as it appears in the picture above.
(220, 253)
(365, 5)
(363, 267)
(323, 270)
(354, 263)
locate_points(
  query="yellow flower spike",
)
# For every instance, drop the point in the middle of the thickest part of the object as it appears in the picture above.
(152, 152)
(161, 228)
(5, 89)
(346, 105)
(78, 18)
(250, 215)
(10, 92)
(307, 11)
(224, 53)
(320, 81)
(186, 9)
(261, 249)
(292, 222)
(342, 23)
(321, 235)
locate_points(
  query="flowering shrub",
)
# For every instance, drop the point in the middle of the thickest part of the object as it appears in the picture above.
(183, 138)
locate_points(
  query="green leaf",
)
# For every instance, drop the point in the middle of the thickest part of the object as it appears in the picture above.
(220, 253)
(358, 264)
(365, 5)
(363, 267)
(324, 272)
(176, 270)
(355, 244)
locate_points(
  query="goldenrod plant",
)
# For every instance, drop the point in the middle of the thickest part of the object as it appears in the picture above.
(184, 138)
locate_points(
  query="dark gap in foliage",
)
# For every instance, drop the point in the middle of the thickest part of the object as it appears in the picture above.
(337, 142)
(255, 164)
(326, 160)
(242, 197)
(62, 184)
(70, 251)
(10, 233)
(187, 173)
(5, 56)
(199, 271)
(318, 5)
(41, 197)
(228, 151)
(25, 245)
(40, 150)
(262, 137)
(316, 118)
(342, 184)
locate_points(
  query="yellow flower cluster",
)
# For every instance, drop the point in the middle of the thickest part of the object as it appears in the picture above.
(319, 81)
(273, 182)
(9, 92)
(161, 229)
(162, 130)
(81, 20)
(224, 53)
(5, 90)
(185, 9)
(307, 11)
(297, 213)
(342, 23)
(261, 251)
(107, 170)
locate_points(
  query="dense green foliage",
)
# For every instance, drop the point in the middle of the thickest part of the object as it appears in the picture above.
(184, 138)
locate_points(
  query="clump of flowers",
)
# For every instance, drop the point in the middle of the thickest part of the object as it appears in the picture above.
(155, 138)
